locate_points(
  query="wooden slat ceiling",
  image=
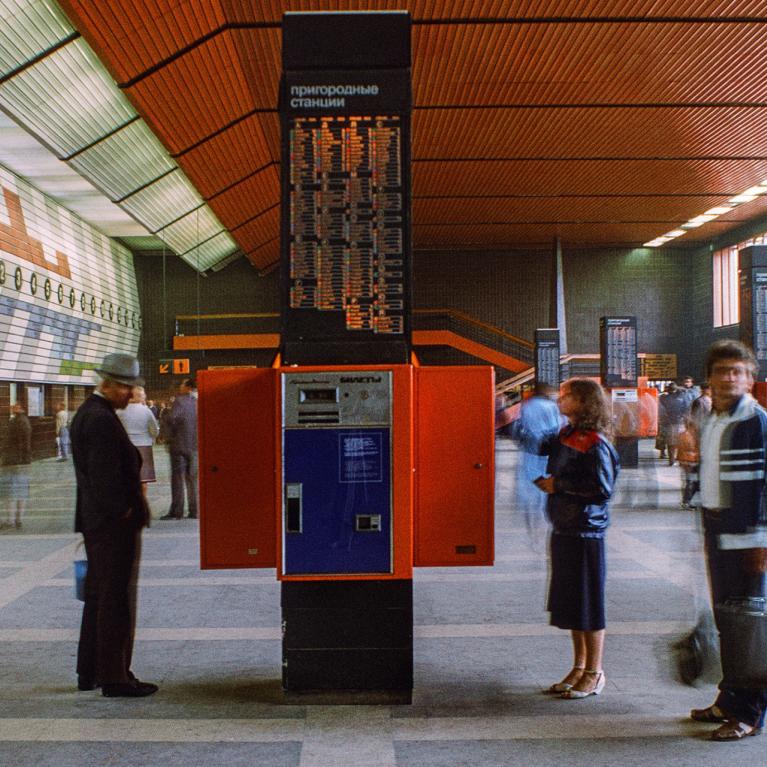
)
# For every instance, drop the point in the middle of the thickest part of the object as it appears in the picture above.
(604, 122)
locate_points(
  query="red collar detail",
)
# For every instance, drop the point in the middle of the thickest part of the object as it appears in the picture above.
(582, 441)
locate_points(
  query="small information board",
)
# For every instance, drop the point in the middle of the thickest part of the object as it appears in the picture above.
(618, 351)
(547, 356)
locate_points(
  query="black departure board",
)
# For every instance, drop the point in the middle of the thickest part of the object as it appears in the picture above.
(547, 356)
(618, 351)
(345, 238)
(753, 304)
(346, 220)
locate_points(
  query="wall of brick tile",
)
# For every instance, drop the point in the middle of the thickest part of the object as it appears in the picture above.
(669, 291)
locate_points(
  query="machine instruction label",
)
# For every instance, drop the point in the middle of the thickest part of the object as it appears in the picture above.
(360, 457)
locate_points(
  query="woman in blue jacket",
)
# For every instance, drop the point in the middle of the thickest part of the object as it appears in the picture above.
(581, 472)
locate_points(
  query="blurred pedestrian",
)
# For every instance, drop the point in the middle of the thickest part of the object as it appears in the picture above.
(538, 420)
(731, 496)
(62, 432)
(16, 457)
(673, 406)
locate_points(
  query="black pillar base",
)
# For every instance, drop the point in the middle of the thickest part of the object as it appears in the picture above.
(347, 641)
(628, 452)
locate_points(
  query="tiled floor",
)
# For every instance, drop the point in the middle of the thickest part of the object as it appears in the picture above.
(483, 652)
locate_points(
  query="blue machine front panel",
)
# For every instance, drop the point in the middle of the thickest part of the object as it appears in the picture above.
(344, 476)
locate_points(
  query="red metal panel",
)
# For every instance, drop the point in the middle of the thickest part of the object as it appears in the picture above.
(454, 477)
(238, 505)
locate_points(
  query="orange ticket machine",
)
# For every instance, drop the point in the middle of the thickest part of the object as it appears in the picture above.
(344, 478)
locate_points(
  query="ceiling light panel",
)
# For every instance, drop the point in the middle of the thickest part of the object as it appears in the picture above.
(210, 253)
(67, 99)
(199, 226)
(124, 162)
(29, 28)
(168, 199)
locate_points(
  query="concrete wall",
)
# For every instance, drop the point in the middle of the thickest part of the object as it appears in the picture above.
(669, 291)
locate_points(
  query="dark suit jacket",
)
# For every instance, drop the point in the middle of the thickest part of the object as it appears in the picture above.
(107, 468)
(183, 425)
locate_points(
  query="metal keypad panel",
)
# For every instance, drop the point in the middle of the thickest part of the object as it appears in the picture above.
(343, 399)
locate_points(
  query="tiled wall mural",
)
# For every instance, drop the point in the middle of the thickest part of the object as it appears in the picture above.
(67, 292)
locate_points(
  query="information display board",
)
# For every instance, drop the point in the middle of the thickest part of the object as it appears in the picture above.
(345, 202)
(618, 351)
(753, 304)
(547, 356)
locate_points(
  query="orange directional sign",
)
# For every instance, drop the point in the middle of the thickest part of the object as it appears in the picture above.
(181, 367)
(165, 367)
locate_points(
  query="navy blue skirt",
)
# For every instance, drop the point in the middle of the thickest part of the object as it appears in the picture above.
(577, 587)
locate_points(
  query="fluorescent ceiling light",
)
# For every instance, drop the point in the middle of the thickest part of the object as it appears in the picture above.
(720, 210)
(756, 190)
(70, 103)
(29, 28)
(742, 198)
(674, 233)
(131, 158)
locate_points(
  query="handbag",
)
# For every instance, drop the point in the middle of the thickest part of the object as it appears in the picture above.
(742, 625)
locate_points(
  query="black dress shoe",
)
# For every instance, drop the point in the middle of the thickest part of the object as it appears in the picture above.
(191, 516)
(86, 683)
(134, 689)
(170, 516)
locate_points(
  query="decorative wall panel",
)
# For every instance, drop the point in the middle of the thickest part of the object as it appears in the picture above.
(67, 292)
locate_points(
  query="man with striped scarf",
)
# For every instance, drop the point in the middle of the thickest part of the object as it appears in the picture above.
(730, 491)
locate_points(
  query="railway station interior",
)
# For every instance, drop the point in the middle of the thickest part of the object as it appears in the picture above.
(436, 201)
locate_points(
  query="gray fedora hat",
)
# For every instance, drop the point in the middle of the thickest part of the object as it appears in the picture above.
(122, 368)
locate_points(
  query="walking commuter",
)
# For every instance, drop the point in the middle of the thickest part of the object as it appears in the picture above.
(673, 407)
(582, 469)
(16, 458)
(701, 406)
(182, 445)
(539, 419)
(110, 513)
(731, 488)
(62, 433)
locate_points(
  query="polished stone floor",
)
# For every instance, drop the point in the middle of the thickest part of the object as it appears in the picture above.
(483, 653)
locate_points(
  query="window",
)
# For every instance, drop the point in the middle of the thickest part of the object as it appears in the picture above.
(726, 288)
(726, 303)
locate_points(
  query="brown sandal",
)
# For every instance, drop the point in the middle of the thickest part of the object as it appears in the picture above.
(713, 714)
(734, 730)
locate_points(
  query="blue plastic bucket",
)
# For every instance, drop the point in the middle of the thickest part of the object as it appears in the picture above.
(81, 570)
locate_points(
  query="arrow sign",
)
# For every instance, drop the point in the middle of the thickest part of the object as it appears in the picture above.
(165, 367)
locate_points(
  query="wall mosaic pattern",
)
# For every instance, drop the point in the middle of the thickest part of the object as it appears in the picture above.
(68, 293)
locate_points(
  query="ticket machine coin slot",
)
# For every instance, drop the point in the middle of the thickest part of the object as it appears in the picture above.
(293, 508)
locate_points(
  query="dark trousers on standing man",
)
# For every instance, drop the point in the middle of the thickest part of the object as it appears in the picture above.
(109, 614)
(728, 577)
(183, 468)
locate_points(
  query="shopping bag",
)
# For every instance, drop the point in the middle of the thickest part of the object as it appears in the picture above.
(81, 570)
(742, 625)
(696, 655)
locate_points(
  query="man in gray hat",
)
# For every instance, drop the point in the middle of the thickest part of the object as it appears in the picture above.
(110, 514)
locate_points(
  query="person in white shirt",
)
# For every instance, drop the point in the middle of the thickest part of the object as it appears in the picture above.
(142, 429)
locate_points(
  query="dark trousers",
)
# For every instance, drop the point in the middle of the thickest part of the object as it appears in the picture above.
(183, 467)
(729, 578)
(109, 613)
